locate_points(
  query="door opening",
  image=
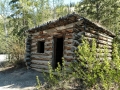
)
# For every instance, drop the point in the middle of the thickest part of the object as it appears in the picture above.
(58, 51)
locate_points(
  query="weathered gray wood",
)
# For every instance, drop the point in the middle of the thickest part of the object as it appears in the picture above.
(41, 70)
(99, 41)
(104, 46)
(75, 30)
(27, 59)
(104, 42)
(80, 33)
(41, 57)
(75, 43)
(73, 48)
(98, 37)
(42, 62)
(104, 54)
(28, 46)
(104, 50)
(76, 37)
(39, 66)
(67, 47)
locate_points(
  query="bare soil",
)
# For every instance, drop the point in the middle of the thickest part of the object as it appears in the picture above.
(18, 78)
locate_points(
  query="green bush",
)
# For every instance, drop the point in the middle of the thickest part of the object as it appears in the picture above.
(88, 71)
(92, 72)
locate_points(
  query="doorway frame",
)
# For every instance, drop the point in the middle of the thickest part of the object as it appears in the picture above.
(54, 49)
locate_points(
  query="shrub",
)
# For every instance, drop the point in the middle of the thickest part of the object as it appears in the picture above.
(93, 72)
(88, 72)
(14, 47)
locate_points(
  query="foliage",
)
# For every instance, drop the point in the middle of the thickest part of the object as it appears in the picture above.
(93, 72)
(88, 72)
(105, 12)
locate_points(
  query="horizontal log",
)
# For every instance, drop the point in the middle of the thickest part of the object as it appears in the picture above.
(76, 30)
(68, 51)
(98, 37)
(47, 52)
(79, 27)
(65, 27)
(65, 56)
(33, 48)
(61, 31)
(68, 41)
(34, 43)
(104, 54)
(41, 62)
(41, 70)
(68, 36)
(41, 56)
(39, 33)
(69, 30)
(39, 66)
(68, 59)
(104, 46)
(48, 44)
(37, 58)
(104, 50)
(105, 35)
(100, 34)
(49, 38)
(99, 41)
(67, 47)
(108, 58)
(48, 48)
(67, 63)
(42, 59)
(104, 42)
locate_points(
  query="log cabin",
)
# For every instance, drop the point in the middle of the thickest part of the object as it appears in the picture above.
(53, 40)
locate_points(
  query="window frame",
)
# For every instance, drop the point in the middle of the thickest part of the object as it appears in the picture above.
(41, 47)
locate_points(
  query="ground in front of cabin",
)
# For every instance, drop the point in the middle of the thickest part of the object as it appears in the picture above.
(18, 79)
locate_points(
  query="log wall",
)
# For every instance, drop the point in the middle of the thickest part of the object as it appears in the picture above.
(39, 61)
(73, 35)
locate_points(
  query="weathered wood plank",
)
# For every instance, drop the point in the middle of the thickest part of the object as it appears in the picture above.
(104, 46)
(104, 54)
(69, 30)
(42, 57)
(104, 42)
(99, 41)
(39, 66)
(67, 47)
(103, 50)
(42, 62)
(68, 41)
(68, 36)
(41, 70)
(97, 37)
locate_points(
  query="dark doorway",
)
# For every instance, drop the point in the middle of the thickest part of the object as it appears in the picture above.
(58, 51)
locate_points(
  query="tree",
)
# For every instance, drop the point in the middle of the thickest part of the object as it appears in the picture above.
(101, 11)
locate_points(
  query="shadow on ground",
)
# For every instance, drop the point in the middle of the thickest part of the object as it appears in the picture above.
(19, 78)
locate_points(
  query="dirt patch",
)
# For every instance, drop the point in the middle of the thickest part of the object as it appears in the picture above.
(18, 79)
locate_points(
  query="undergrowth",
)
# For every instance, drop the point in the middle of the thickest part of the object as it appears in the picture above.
(87, 72)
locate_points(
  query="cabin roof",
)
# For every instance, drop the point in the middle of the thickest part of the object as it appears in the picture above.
(70, 18)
